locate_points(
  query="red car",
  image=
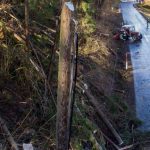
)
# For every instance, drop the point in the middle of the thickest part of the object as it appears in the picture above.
(127, 32)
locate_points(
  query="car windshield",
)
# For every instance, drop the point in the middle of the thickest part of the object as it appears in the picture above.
(132, 28)
(129, 27)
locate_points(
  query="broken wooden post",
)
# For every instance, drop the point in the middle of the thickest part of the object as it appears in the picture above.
(127, 53)
(126, 61)
(95, 103)
(27, 24)
(64, 79)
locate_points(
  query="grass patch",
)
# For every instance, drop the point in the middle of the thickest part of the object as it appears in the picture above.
(144, 9)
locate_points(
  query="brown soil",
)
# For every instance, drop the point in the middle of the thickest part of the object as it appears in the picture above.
(102, 65)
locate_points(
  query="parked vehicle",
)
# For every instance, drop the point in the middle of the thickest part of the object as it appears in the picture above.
(128, 0)
(124, 0)
(127, 32)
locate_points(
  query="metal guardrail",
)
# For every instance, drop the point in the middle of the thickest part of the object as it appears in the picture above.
(148, 21)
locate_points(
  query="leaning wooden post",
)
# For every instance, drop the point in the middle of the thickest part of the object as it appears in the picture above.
(27, 24)
(126, 61)
(64, 77)
(95, 103)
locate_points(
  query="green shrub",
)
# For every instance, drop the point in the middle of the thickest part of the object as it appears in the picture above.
(87, 22)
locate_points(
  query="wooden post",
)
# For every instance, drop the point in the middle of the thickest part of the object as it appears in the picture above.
(106, 121)
(95, 103)
(64, 78)
(147, 22)
(27, 24)
(126, 61)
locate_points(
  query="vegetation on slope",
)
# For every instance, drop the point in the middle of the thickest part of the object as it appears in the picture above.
(28, 82)
(144, 9)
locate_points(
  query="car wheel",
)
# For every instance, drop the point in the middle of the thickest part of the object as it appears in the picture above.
(123, 37)
(140, 37)
(134, 38)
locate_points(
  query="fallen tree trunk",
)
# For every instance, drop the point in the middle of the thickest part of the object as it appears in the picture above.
(95, 103)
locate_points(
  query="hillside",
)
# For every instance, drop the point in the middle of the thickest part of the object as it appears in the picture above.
(103, 97)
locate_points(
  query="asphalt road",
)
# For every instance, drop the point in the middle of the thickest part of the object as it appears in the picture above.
(140, 57)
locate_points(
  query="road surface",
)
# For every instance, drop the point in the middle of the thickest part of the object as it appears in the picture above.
(140, 57)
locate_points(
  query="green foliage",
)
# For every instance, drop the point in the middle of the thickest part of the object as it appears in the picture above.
(1, 24)
(87, 22)
(82, 128)
(81, 125)
(43, 10)
(115, 103)
(83, 132)
(85, 7)
(121, 115)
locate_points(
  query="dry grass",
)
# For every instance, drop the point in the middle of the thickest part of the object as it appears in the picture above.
(144, 9)
(97, 49)
(5, 6)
